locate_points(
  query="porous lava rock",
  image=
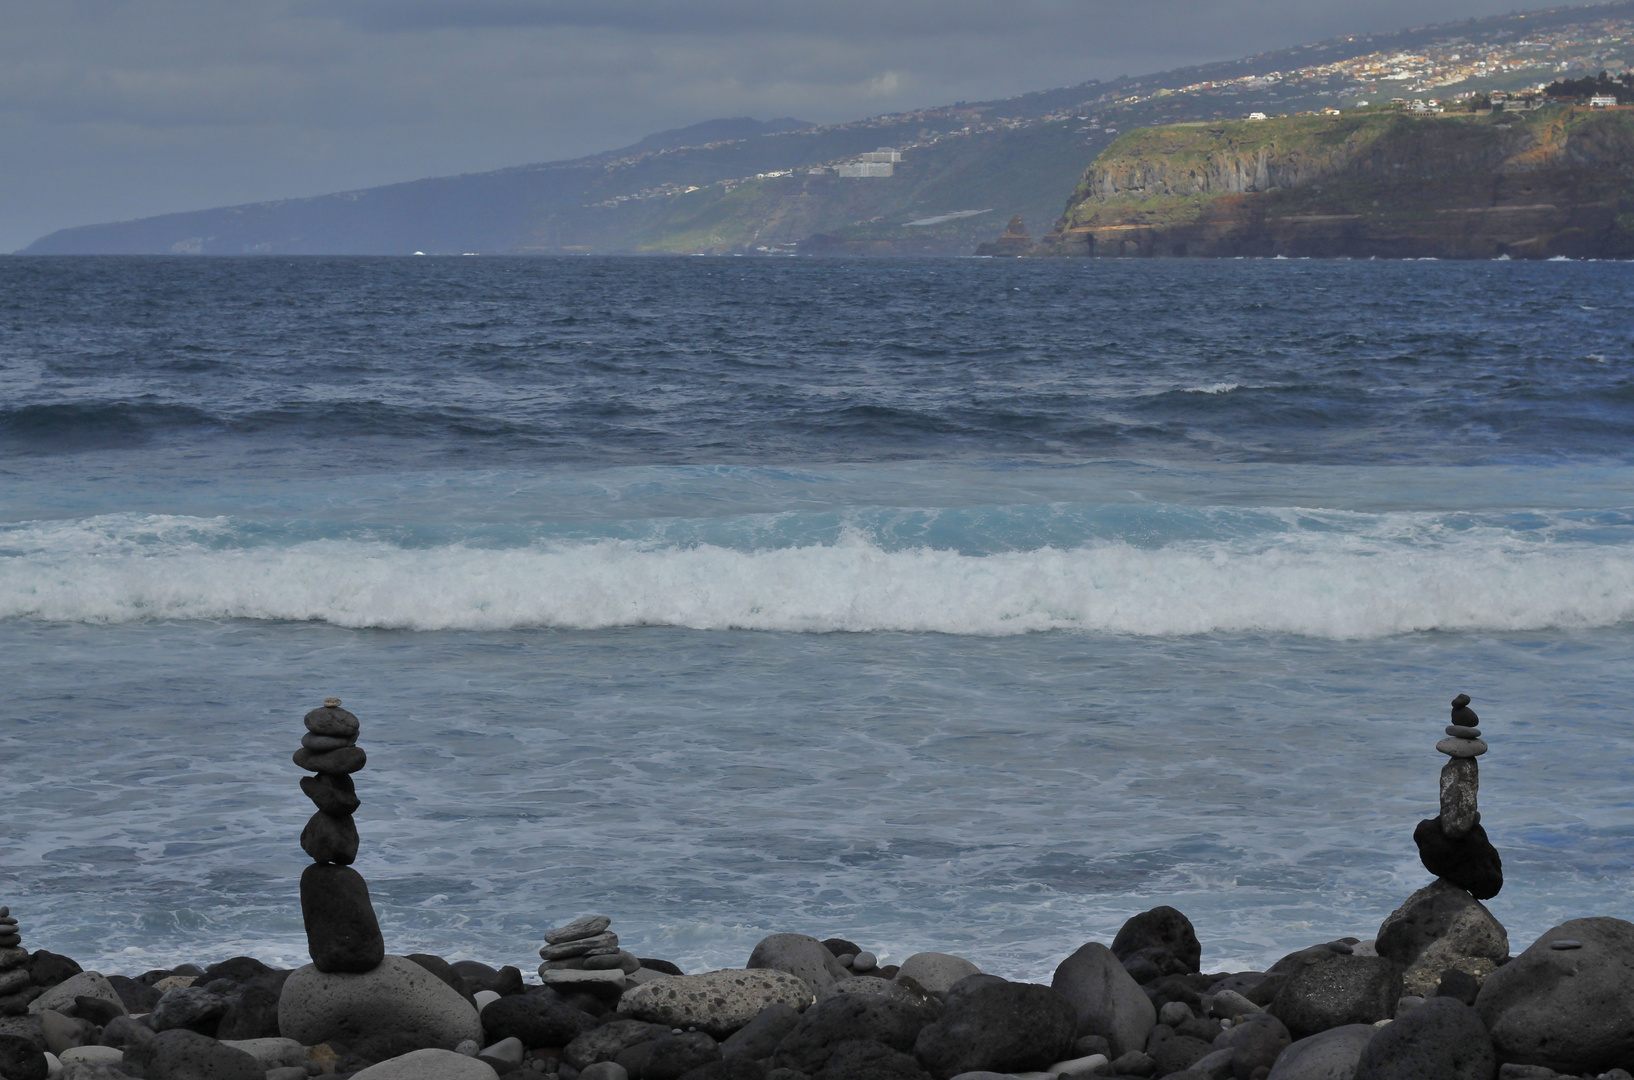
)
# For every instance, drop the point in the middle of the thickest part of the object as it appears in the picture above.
(1162, 928)
(718, 1002)
(829, 1023)
(1570, 1009)
(1337, 991)
(1439, 925)
(1441, 1039)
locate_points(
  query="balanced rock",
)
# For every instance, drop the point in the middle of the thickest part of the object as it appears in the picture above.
(334, 762)
(586, 926)
(335, 795)
(330, 839)
(342, 932)
(1105, 999)
(803, 957)
(396, 997)
(1439, 925)
(1568, 1009)
(332, 720)
(717, 1002)
(1469, 861)
(999, 1026)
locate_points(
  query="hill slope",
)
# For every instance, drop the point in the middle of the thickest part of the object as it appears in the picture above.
(1370, 183)
(745, 186)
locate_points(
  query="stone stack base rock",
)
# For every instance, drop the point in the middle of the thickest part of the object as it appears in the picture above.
(17, 987)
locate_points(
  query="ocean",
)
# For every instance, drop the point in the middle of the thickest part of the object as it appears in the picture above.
(966, 605)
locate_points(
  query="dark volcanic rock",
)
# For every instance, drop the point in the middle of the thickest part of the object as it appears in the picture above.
(607, 1042)
(330, 839)
(335, 795)
(1335, 992)
(1442, 1039)
(997, 1026)
(99, 1011)
(1164, 928)
(253, 1014)
(190, 1007)
(240, 969)
(479, 976)
(444, 971)
(138, 997)
(1470, 861)
(1174, 1052)
(739, 1068)
(1332, 1055)
(839, 946)
(186, 1055)
(536, 1019)
(860, 1060)
(675, 1055)
(335, 762)
(665, 966)
(341, 930)
(20, 1059)
(847, 1017)
(47, 969)
(803, 957)
(759, 1037)
(1569, 1009)
(125, 1033)
(1258, 1040)
(332, 720)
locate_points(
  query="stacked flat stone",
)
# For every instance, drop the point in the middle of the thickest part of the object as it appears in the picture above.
(342, 932)
(1453, 845)
(584, 945)
(17, 987)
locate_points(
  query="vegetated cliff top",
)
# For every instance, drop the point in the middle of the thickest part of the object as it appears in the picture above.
(1370, 182)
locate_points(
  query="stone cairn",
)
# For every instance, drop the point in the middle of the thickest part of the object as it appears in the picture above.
(584, 951)
(341, 930)
(17, 987)
(1452, 845)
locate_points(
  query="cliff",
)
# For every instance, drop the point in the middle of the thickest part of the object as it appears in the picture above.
(1375, 182)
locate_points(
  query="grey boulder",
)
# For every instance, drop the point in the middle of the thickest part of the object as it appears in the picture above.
(991, 1024)
(1569, 1009)
(1256, 1040)
(759, 1037)
(85, 984)
(1442, 1039)
(1439, 925)
(1332, 1055)
(430, 1064)
(718, 1002)
(191, 1007)
(935, 971)
(538, 1019)
(804, 957)
(1105, 999)
(398, 997)
(1337, 991)
(608, 1041)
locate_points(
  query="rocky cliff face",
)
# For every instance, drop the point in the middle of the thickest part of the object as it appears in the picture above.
(1369, 184)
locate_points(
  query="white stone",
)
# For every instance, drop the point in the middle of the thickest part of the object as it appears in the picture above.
(397, 996)
(569, 977)
(510, 1051)
(484, 998)
(1077, 1067)
(53, 1064)
(429, 1065)
(85, 984)
(93, 1055)
(271, 1053)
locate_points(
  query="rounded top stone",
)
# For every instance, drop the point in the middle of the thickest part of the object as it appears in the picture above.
(1458, 702)
(5, 911)
(1461, 748)
(331, 720)
(331, 702)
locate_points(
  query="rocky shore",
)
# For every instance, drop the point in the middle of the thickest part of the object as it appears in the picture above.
(1434, 994)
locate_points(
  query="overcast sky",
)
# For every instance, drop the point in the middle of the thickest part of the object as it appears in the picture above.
(115, 109)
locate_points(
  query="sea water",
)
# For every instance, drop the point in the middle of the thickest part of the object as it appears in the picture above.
(962, 605)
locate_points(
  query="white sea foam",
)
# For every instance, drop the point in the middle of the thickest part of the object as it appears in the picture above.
(1389, 574)
(1213, 388)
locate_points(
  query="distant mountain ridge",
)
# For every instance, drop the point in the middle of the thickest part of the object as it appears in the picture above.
(740, 185)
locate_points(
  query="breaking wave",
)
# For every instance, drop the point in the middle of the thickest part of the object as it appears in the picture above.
(1395, 574)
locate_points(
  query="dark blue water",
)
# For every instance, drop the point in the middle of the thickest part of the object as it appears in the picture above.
(970, 605)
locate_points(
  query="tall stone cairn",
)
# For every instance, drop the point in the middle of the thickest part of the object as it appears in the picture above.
(1452, 845)
(17, 987)
(342, 932)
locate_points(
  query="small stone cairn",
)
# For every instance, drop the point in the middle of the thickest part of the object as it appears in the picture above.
(1453, 845)
(17, 987)
(584, 946)
(341, 930)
